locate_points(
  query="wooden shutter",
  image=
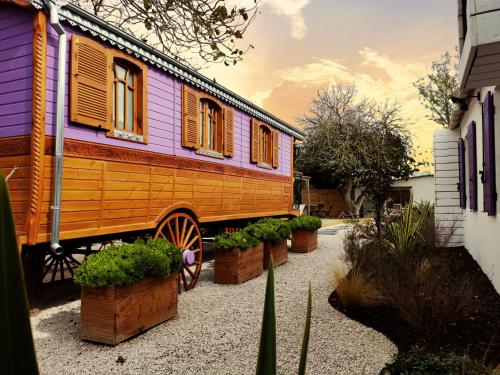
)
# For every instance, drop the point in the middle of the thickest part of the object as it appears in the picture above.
(461, 172)
(229, 132)
(472, 160)
(91, 83)
(190, 118)
(276, 148)
(254, 142)
(489, 187)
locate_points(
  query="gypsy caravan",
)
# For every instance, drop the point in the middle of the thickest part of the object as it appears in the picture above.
(112, 139)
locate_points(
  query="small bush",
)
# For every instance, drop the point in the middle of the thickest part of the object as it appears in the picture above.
(418, 362)
(270, 229)
(129, 263)
(305, 222)
(355, 289)
(242, 239)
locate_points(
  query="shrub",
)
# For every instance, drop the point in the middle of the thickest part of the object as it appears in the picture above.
(355, 289)
(426, 294)
(404, 234)
(269, 229)
(242, 239)
(418, 362)
(305, 222)
(129, 263)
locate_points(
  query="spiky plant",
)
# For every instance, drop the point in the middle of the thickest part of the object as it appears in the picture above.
(16, 341)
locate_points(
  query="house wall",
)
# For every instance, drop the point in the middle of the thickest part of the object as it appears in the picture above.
(481, 233)
(16, 48)
(164, 118)
(422, 188)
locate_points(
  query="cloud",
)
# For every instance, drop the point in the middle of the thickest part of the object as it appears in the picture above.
(292, 9)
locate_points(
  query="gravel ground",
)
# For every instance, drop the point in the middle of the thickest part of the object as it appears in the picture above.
(218, 327)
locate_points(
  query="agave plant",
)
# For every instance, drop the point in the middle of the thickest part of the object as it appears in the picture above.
(16, 342)
(266, 362)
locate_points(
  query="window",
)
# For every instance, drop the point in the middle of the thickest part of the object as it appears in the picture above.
(207, 126)
(210, 126)
(264, 145)
(108, 90)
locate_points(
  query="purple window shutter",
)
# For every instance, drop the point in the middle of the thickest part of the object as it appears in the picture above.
(488, 178)
(461, 172)
(472, 158)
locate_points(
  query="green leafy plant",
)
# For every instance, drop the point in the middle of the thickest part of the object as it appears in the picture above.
(129, 263)
(404, 234)
(16, 341)
(266, 361)
(270, 229)
(305, 222)
(418, 362)
(242, 239)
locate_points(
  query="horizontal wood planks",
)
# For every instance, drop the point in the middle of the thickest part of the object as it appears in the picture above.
(279, 252)
(304, 241)
(111, 314)
(236, 266)
(19, 186)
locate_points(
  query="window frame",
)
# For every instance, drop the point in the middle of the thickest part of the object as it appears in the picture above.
(266, 139)
(140, 133)
(203, 101)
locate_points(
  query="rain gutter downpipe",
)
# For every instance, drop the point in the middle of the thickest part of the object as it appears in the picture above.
(53, 8)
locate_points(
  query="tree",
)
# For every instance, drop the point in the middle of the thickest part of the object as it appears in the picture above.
(356, 142)
(436, 88)
(183, 29)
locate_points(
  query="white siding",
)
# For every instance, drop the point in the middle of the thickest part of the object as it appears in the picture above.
(447, 200)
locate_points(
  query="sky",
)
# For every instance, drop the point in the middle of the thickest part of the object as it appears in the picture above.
(381, 46)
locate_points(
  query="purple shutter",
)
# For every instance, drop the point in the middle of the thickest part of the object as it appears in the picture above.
(472, 158)
(489, 187)
(461, 172)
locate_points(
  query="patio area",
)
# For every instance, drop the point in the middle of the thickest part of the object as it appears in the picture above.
(218, 327)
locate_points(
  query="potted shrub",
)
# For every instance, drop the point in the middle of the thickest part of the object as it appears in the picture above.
(304, 233)
(274, 234)
(238, 258)
(128, 289)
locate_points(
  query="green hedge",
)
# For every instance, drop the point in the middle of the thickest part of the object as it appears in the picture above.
(129, 263)
(270, 229)
(305, 222)
(241, 239)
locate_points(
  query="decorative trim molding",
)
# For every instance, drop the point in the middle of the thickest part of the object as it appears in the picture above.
(12, 146)
(38, 123)
(125, 155)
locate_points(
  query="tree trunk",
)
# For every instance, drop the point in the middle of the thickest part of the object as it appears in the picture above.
(354, 206)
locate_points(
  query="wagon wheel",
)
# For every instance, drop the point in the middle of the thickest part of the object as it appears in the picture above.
(56, 265)
(183, 231)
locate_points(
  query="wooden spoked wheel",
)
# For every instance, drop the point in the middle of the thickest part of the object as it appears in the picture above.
(56, 265)
(182, 230)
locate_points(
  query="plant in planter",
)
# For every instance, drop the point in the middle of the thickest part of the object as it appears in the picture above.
(304, 233)
(238, 257)
(128, 289)
(274, 233)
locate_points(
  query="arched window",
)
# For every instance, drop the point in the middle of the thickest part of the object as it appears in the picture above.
(125, 98)
(210, 125)
(265, 145)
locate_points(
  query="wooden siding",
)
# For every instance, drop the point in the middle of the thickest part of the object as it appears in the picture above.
(447, 203)
(106, 195)
(16, 45)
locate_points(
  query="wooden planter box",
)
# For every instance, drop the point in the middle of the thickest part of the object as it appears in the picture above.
(236, 266)
(111, 314)
(304, 241)
(279, 251)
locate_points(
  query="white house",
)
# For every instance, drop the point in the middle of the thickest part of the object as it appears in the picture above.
(420, 185)
(467, 155)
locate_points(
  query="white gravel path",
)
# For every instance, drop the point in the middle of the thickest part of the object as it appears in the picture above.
(218, 327)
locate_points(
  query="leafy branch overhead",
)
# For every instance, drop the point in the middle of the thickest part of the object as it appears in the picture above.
(436, 88)
(196, 32)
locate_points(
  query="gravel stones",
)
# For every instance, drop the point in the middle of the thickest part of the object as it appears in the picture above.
(218, 328)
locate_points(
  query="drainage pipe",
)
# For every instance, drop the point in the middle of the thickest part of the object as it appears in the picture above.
(61, 93)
